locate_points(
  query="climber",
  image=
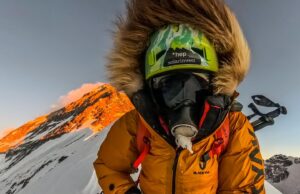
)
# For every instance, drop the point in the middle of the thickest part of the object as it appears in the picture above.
(180, 62)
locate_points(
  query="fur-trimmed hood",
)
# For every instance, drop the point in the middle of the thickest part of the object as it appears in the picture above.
(212, 17)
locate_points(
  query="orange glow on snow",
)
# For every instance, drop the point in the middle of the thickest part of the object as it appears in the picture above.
(106, 105)
(16, 136)
(4, 132)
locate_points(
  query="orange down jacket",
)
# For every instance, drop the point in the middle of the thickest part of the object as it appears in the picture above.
(238, 170)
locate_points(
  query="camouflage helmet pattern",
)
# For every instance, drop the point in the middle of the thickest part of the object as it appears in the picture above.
(179, 47)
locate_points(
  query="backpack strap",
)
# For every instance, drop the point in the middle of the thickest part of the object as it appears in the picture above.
(221, 139)
(142, 140)
(220, 143)
(222, 134)
(143, 144)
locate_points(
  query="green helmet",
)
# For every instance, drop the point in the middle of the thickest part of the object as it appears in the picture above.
(179, 47)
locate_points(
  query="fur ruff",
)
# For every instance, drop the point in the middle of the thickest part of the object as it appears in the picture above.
(212, 17)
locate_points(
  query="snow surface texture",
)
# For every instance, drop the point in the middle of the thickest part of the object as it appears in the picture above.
(270, 189)
(60, 166)
(283, 172)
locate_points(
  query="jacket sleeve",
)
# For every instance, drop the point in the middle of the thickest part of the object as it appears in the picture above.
(116, 155)
(241, 167)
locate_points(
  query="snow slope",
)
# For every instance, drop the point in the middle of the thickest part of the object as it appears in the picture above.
(283, 172)
(291, 185)
(60, 166)
(270, 189)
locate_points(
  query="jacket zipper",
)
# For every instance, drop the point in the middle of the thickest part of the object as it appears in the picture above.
(174, 168)
(178, 151)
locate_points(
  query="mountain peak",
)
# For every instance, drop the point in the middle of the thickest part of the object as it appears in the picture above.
(94, 110)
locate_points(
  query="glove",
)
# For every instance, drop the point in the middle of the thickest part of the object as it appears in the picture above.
(133, 190)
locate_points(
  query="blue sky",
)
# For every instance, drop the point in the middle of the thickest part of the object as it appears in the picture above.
(50, 47)
(272, 28)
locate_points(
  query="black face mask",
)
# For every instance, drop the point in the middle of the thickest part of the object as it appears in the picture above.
(180, 97)
(175, 90)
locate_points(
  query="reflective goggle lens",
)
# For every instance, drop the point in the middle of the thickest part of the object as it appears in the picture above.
(172, 91)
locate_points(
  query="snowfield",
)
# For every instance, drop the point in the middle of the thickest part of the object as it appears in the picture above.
(60, 166)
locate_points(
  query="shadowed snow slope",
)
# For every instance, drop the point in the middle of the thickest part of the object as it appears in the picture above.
(283, 172)
(62, 166)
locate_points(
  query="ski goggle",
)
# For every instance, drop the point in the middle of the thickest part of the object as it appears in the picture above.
(175, 90)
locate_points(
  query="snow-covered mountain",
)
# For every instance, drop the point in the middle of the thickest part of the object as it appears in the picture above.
(54, 153)
(283, 172)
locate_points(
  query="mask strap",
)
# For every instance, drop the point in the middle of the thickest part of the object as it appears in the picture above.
(164, 125)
